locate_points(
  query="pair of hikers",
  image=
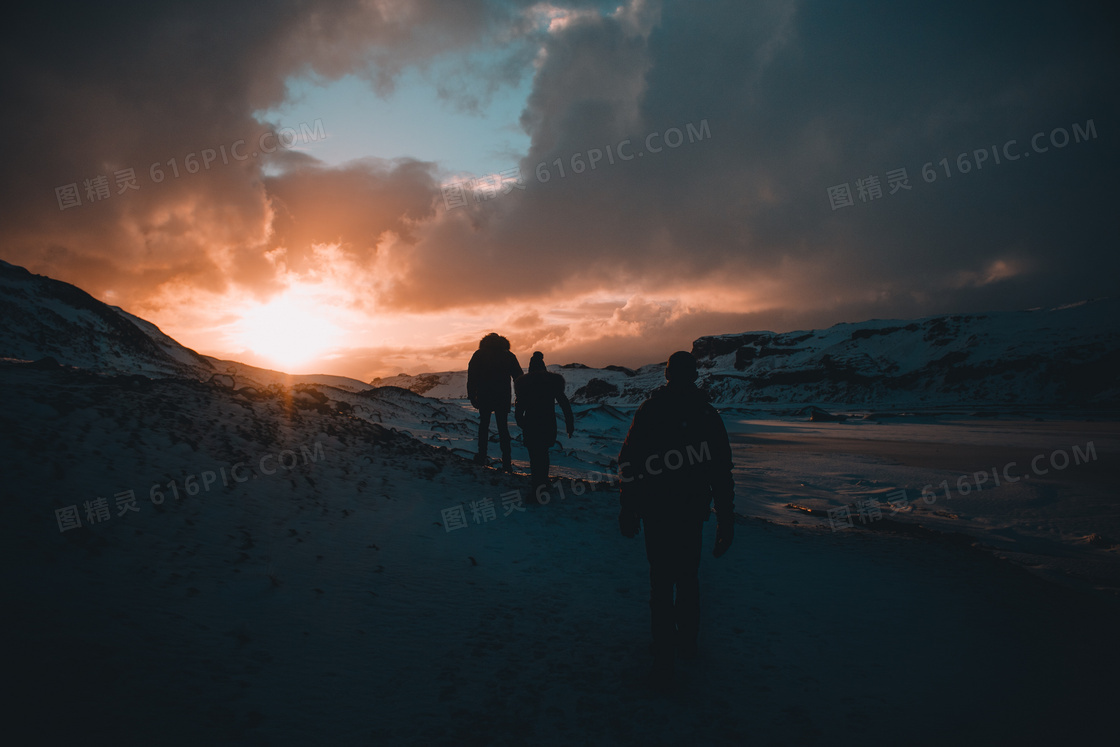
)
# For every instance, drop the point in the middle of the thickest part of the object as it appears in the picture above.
(492, 368)
(677, 426)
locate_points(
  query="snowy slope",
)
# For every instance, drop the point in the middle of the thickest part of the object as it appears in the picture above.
(1064, 356)
(236, 375)
(48, 318)
(45, 317)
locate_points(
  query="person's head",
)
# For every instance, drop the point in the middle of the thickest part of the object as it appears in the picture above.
(536, 363)
(493, 340)
(681, 368)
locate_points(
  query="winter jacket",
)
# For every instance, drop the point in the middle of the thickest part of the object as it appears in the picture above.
(491, 370)
(538, 392)
(677, 457)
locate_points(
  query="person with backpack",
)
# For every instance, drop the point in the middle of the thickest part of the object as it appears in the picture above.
(492, 369)
(675, 461)
(538, 393)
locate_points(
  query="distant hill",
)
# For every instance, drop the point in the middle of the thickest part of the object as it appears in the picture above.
(47, 318)
(1063, 356)
(1068, 356)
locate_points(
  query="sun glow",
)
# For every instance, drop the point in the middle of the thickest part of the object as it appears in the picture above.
(292, 330)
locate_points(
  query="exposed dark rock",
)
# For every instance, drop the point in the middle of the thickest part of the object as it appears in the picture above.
(595, 390)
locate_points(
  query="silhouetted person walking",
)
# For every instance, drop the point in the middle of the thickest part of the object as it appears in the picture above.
(675, 461)
(492, 368)
(538, 393)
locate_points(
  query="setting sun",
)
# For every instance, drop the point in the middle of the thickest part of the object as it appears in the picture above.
(290, 331)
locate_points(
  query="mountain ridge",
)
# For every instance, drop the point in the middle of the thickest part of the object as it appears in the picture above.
(1064, 356)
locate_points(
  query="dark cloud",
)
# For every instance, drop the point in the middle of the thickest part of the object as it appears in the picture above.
(100, 89)
(354, 205)
(800, 97)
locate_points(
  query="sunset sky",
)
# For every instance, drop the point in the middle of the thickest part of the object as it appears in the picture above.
(353, 250)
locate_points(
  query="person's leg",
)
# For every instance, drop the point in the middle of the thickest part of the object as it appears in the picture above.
(483, 435)
(538, 462)
(659, 552)
(689, 542)
(502, 416)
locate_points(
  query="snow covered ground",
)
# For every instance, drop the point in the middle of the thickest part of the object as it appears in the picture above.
(325, 598)
(1038, 490)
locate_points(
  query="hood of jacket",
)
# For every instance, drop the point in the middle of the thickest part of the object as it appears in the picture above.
(493, 341)
(685, 392)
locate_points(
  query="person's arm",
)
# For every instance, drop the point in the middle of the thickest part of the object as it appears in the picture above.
(569, 419)
(515, 371)
(518, 406)
(631, 454)
(565, 405)
(722, 484)
(472, 380)
(722, 480)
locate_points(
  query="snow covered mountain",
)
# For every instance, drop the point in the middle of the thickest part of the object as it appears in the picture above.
(1069, 356)
(1064, 356)
(47, 318)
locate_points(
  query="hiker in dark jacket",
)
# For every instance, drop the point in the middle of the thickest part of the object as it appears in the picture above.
(538, 392)
(675, 461)
(492, 368)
